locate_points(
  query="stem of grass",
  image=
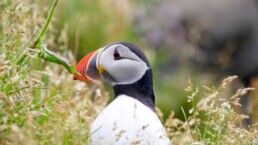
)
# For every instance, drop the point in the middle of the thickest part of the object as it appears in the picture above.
(45, 53)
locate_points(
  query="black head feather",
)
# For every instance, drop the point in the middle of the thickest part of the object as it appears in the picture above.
(141, 90)
(136, 50)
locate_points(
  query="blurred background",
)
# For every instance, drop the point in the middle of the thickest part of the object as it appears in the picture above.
(201, 40)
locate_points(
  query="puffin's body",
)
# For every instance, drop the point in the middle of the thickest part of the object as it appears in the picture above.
(127, 121)
(130, 118)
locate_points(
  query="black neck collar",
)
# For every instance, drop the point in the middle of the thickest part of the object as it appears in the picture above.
(141, 90)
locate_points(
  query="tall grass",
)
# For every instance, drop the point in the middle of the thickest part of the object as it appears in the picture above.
(212, 120)
(39, 101)
(41, 104)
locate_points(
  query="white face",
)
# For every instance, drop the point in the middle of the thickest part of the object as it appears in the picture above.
(121, 65)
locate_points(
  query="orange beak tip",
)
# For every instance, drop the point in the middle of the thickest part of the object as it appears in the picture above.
(81, 78)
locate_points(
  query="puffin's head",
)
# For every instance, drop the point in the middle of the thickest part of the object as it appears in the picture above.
(118, 64)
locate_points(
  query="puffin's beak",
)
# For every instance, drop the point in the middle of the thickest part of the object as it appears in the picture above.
(87, 68)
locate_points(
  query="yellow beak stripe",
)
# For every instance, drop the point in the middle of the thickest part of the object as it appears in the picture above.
(101, 69)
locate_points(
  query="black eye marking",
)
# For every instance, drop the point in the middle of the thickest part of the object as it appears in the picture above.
(117, 55)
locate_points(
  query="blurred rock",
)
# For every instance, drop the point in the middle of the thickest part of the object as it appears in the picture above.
(222, 35)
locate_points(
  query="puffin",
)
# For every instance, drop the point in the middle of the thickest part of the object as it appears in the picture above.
(130, 119)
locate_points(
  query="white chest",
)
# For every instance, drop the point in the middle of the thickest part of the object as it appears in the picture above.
(127, 121)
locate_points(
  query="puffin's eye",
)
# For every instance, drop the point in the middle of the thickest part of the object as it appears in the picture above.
(117, 55)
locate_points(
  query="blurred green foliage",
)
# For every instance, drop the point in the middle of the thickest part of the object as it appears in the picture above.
(92, 24)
